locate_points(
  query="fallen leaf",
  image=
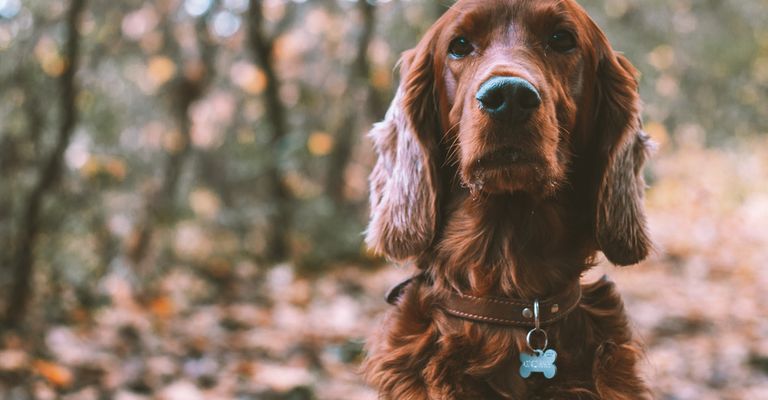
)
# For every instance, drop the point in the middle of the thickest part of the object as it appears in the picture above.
(58, 375)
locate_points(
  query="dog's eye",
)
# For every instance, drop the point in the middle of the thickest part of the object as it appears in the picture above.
(460, 47)
(562, 41)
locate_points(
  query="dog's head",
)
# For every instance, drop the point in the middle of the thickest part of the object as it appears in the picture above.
(515, 94)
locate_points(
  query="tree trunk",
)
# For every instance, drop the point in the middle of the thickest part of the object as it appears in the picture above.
(360, 89)
(183, 92)
(261, 49)
(50, 175)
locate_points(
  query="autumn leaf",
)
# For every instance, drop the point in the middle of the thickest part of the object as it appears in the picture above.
(162, 307)
(58, 375)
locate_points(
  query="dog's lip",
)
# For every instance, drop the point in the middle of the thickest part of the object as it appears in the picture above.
(505, 156)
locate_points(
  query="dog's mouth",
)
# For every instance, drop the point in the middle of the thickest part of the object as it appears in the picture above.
(505, 157)
(508, 169)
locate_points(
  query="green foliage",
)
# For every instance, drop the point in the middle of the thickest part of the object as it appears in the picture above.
(704, 64)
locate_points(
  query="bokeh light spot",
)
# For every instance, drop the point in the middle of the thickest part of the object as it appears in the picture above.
(226, 24)
(320, 143)
(9, 8)
(196, 8)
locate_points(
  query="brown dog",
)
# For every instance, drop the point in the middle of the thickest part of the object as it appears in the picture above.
(510, 156)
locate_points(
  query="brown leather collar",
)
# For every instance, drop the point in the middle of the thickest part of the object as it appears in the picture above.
(512, 312)
(502, 311)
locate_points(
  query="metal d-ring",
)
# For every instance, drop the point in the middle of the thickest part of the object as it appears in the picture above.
(537, 328)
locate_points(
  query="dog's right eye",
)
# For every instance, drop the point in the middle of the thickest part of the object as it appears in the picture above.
(460, 47)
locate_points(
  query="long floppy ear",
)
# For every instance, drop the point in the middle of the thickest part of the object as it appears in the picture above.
(621, 230)
(404, 181)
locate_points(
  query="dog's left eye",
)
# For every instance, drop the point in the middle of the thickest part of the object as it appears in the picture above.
(562, 41)
(460, 47)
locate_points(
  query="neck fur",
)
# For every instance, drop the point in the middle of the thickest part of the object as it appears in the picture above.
(511, 245)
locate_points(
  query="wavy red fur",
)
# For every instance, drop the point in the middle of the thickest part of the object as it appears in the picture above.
(521, 230)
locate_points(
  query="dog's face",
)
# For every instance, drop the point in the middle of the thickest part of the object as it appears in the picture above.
(512, 80)
(520, 96)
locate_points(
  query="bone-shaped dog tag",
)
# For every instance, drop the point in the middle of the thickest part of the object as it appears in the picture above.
(540, 361)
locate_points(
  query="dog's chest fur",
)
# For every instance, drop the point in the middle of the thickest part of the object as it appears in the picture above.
(425, 354)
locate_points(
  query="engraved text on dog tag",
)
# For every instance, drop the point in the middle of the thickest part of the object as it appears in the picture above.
(540, 361)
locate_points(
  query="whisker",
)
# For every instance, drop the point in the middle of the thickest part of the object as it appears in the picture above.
(453, 148)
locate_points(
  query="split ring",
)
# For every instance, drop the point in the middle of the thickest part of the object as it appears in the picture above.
(528, 339)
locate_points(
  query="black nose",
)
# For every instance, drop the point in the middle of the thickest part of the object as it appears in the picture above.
(508, 97)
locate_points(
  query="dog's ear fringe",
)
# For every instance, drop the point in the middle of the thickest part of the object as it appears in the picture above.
(403, 192)
(620, 226)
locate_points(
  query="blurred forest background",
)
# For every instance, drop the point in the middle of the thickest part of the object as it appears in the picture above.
(183, 191)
